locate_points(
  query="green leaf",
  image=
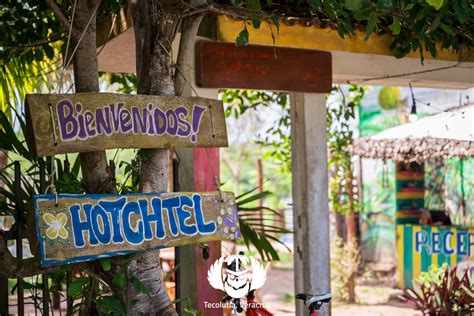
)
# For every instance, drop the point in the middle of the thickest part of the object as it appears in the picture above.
(256, 22)
(431, 47)
(459, 10)
(137, 284)
(169, 274)
(76, 286)
(341, 30)
(119, 279)
(246, 193)
(243, 37)
(437, 20)
(447, 29)
(106, 264)
(111, 305)
(254, 197)
(254, 5)
(384, 4)
(395, 27)
(353, 5)
(329, 9)
(437, 4)
(370, 25)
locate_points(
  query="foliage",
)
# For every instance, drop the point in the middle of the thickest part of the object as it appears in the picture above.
(434, 275)
(415, 26)
(238, 102)
(32, 46)
(30, 28)
(28, 31)
(341, 111)
(451, 295)
(239, 167)
(255, 227)
(86, 287)
(121, 82)
(345, 260)
(276, 140)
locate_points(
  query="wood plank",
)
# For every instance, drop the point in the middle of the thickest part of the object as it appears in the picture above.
(82, 122)
(224, 65)
(91, 226)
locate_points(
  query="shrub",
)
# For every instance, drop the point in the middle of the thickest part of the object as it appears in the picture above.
(452, 294)
(345, 260)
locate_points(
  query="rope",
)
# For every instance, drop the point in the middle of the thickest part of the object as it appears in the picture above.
(214, 176)
(70, 32)
(77, 44)
(52, 187)
(50, 107)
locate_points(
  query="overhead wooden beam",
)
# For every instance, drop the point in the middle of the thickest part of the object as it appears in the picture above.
(350, 63)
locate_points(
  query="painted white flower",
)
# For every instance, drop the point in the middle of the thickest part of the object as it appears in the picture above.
(56, 225)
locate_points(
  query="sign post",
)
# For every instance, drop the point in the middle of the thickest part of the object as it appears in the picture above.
(74, 228)
(85, 122)
(224, 65)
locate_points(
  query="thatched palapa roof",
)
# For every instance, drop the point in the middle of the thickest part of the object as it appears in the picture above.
(444, 135)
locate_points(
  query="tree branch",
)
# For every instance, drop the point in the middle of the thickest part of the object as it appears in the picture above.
(14, 267)
(184, 65)
(58, 13)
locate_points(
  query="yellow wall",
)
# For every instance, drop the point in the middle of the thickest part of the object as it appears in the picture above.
(313, 37)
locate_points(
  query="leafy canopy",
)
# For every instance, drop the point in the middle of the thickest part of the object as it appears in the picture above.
(29, 29)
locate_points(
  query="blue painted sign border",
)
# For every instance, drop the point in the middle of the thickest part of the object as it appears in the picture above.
(94, 226)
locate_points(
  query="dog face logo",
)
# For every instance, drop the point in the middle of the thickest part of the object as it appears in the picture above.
(230, 274)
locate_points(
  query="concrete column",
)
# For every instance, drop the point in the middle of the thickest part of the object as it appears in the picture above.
(310, 196)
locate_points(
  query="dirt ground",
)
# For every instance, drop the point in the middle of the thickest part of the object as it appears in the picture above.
(375, 298)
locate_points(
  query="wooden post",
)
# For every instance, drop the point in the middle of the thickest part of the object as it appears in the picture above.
(310, 196)
(195, 174)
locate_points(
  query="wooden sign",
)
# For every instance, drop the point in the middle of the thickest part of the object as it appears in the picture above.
(225, 65)
(63, 123)
(89, 227)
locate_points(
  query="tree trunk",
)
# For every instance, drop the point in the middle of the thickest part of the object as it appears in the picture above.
(154, 33)
(339, 225)
(96, 175)
(351, 225)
